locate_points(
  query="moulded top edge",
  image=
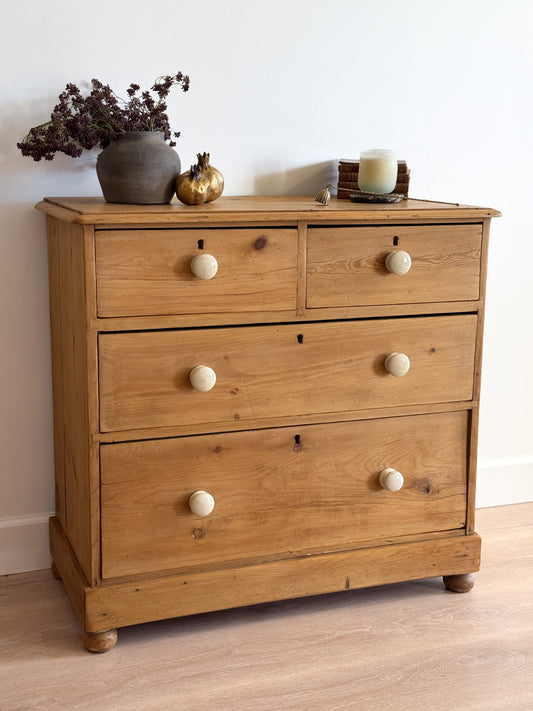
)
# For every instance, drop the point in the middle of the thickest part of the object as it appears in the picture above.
(94, 210)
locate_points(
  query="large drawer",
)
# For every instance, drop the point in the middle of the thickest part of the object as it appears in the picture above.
(282, 370)
(276, 497)
(346, 266)
(148, 272)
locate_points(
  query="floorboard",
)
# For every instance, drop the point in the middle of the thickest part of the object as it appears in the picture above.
(409, 646)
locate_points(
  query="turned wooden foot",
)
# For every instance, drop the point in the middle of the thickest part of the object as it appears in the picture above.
(100, 641)
(55, 571)
(459, 583)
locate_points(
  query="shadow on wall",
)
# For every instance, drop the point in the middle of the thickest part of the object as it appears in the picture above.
(306, 180)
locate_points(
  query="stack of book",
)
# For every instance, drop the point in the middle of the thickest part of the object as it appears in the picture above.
(349, 173)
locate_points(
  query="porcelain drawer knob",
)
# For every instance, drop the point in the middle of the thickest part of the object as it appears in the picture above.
(202, 378)
(397, 364)
(390, 479)
(398, 262)
(204, 266)
(201, 503)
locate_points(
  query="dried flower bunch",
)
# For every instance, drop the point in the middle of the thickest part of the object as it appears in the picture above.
(81, 123)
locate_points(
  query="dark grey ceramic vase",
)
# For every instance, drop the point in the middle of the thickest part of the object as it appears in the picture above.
(139, 168)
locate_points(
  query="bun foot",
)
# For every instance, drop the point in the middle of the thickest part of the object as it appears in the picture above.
(100, 641)
(459, 583)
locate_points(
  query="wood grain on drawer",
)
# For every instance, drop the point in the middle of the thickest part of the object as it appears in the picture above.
(346, 265)
(273, 371)
(148, 272)
(274, 497)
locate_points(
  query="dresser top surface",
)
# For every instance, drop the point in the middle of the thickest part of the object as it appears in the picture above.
(274, 209)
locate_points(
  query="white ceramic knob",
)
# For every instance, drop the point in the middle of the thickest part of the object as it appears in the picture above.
(202, 378)
(391, 479)
(398, 262)
(204, 266)
(201, 503)
(397, 364)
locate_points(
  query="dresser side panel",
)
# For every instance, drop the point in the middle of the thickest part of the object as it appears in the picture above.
(69, 348)
(478, 360)
(54, 285)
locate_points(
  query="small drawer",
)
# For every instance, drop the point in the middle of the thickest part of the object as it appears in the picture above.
(279, 493)
(255, 373)
(150, 272)
(351, 266)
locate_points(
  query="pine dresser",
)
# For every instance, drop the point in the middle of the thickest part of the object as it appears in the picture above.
(261, 398)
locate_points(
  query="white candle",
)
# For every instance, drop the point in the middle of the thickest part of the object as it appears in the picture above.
(378, 171)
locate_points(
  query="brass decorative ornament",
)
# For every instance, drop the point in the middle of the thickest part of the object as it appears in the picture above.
(202, 183)
(216, 180)
(193, 187)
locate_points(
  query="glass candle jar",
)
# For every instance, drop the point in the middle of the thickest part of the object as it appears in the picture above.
(378, 171)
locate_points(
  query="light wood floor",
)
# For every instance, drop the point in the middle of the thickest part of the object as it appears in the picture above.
(409, 646)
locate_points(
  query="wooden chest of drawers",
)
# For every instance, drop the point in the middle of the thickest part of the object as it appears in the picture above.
(261, 398)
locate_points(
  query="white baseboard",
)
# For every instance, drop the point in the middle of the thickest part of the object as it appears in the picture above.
(504, 481)
(24, 539)
(24, 543)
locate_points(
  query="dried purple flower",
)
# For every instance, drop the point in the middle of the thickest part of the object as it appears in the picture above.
(80, 123)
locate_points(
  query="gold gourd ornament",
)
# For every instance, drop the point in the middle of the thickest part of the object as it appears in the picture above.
(214, 176)
(193, 187)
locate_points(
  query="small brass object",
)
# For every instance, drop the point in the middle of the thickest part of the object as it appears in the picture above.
(324, 196)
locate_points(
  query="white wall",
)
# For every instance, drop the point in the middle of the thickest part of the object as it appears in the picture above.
(280, 90)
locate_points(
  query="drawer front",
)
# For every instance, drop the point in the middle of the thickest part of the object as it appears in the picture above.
(346, 266)
(278, 498)
(148, 272)
(287, 370)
